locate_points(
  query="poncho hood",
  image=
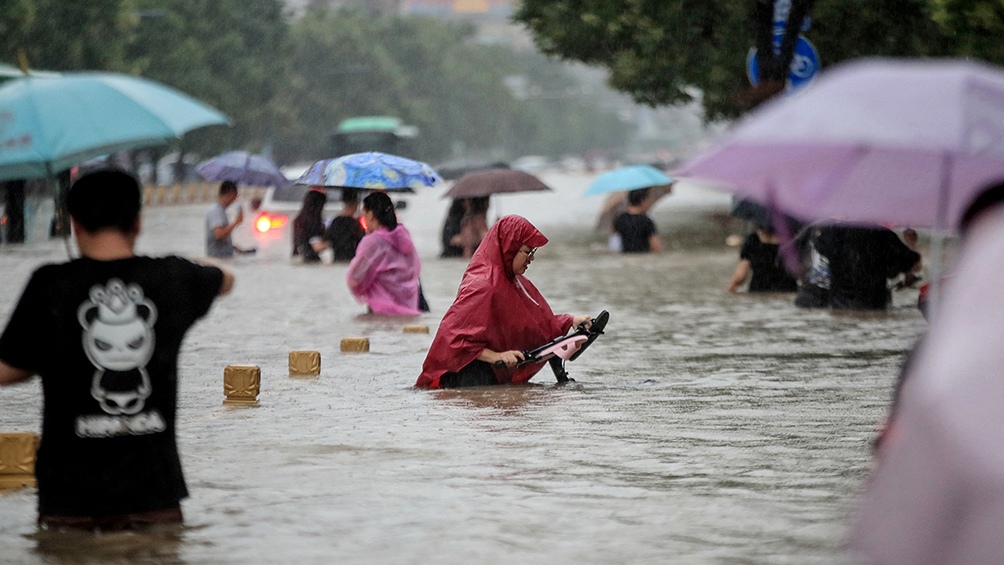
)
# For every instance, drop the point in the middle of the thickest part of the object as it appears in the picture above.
(495, 308)
(384, 272)
(398, 238)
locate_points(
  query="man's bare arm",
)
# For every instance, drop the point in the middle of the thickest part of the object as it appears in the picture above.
(11, 375)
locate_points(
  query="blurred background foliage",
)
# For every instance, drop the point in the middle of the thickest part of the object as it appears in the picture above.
(666, 52)
(287, 82)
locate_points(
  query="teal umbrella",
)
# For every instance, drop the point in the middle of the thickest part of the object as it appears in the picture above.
(628, 178)
(8, 72)
(50, 123)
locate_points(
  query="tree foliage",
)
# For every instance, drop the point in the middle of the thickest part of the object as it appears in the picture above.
(286, 83)
(228, 53)
(60, 35)
(665, 52)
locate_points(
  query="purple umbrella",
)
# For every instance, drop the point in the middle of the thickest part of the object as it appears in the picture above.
(244, 169)
(937, 493)
(908, 142)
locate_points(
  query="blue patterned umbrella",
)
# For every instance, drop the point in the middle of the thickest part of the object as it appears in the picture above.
(371, 171)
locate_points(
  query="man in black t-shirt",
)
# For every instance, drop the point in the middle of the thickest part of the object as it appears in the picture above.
(104, 332)
(636, 230)
(344, 232)
(862, 259)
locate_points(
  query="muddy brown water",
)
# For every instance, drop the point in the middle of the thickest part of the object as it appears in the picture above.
(702, 428)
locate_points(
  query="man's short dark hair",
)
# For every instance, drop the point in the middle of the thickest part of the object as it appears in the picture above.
(636, 197)
(227, 186)
(107, 198)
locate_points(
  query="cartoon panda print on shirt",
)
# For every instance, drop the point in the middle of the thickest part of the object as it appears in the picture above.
(119, 341)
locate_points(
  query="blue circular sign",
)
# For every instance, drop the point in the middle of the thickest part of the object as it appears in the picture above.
(804, 64)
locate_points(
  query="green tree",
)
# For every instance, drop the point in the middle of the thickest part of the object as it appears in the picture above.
(974, 27)
(228, 53)
(431, 74)
(665, 52)
(338, 71)
(60, 35)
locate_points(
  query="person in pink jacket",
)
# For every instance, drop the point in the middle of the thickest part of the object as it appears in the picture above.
(384, 272)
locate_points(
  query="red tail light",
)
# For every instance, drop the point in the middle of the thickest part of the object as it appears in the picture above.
(362, 222)
(265, 222)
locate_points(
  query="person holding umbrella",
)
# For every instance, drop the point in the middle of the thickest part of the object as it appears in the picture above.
(452, 227)
(384, 273)
(637, 231)
(473, 225)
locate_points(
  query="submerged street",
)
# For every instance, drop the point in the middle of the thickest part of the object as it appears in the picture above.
(703, 427)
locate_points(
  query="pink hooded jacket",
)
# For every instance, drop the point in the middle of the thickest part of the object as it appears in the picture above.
(384, 272)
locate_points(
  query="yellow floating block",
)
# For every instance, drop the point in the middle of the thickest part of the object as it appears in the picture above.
(304, 363)
(17, 460)
(241, 384)
(416, 329)
(355, 344)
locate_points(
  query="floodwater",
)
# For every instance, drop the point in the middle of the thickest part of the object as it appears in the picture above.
(702, 428)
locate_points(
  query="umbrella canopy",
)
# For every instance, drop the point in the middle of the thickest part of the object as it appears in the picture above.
(628, 178)
(371, 171)
(877, 140)
(8, 72)
(495, 181)
(48, 124)
(244, 168)
(453, 170)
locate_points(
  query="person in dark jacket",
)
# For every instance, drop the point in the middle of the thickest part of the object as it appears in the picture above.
(862, 259)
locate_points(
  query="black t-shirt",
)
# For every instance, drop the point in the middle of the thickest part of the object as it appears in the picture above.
(105, 337)
(862, 259)
(344, 234)
(635, 230)
(768, 272)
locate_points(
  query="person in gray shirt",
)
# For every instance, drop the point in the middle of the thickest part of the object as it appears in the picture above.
(218, 226)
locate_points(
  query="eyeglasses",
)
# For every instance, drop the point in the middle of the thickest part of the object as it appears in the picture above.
(530, 252)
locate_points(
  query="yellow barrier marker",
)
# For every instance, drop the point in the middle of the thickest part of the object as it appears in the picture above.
(241, 384)
(304, 363)
(355, 344)
(17, 460)
(416, 329)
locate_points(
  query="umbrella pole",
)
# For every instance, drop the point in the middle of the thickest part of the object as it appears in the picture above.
(60, 223)
(938, 238)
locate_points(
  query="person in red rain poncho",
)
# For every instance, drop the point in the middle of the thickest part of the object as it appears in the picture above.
(497, 314)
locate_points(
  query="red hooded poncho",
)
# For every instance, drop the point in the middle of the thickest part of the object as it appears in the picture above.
(495, 309)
